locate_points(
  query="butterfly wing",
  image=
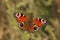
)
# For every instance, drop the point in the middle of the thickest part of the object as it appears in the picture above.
(22, 20)
(37, 23)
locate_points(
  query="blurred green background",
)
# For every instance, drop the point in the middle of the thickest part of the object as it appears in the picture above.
(47, 9)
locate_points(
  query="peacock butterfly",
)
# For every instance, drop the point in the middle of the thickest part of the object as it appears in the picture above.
(33, 25)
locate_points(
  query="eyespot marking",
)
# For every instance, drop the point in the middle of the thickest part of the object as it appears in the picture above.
(21, 24)
(35, 27)
(43, 21)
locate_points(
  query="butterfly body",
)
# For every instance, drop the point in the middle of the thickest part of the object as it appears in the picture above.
(27, 23)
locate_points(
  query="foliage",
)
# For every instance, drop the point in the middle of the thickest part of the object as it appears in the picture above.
(39, 8)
